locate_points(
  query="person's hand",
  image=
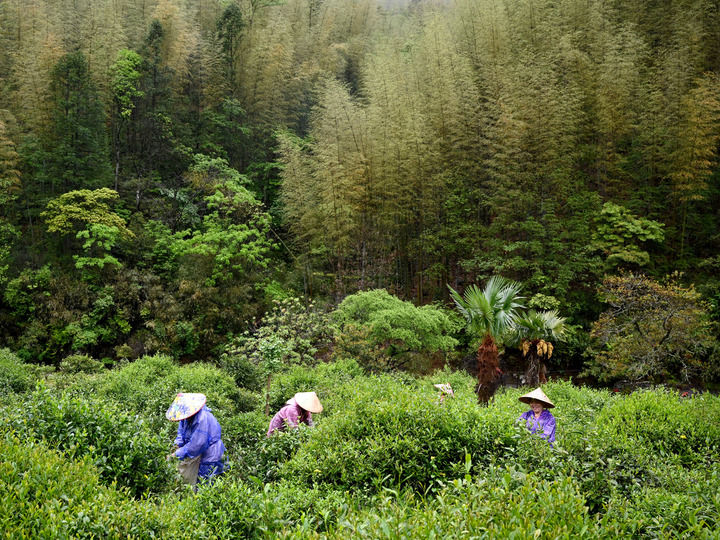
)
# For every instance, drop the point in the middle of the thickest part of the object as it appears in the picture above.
(170, 457)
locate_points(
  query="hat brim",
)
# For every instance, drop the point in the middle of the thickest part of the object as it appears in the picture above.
(184, 406)
(529, 400)
(309, 401)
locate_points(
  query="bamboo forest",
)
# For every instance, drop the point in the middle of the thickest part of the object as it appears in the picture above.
(392, 224)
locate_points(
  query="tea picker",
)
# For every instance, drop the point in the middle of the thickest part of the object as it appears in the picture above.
(199, 445)
(446, 391)
(538, 419)
(297, 409)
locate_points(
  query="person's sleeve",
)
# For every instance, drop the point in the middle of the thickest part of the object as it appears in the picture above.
(180, 438)
(199, 441)
(310, 420)
(549, 430)
(273, 426)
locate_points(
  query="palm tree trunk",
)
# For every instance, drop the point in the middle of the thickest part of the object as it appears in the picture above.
(532, 374)
(488, 370)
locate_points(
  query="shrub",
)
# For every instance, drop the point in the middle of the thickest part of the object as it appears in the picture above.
(15, 376)
(81, 363)
(379, 320)
(47, 495)
(148, 386)
(502, 503)
(392, 434)
(120, 445)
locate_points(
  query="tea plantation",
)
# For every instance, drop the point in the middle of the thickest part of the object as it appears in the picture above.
(82, 456)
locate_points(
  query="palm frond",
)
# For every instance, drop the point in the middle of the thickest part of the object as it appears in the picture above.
(490, 310)
(532, 325)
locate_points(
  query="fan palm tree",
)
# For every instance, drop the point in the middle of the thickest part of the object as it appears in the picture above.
(489, 313)
(532, 332)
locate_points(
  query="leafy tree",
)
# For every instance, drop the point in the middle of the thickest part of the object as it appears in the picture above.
(620, 236)
(229, 31)
(84, 207)
(291, 333)
(9, 191)
(233, 239)
(87, 216)
(489, 313)
(98, 241)
(392, 326)
(650, 331)
(532, 331)
(125, 92)
(77, 150)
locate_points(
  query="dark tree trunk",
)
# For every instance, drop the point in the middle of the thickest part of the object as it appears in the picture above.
(535, 375)
(488, 370)
(532, 374)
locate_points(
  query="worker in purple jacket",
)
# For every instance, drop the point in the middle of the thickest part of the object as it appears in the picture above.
(297, 410)
(198, 434)
(538, 419)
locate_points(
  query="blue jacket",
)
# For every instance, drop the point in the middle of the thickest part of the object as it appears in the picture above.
(200, 435)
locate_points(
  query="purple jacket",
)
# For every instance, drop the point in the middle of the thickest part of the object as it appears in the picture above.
(290, 415)
(543, 426)
(200, 435)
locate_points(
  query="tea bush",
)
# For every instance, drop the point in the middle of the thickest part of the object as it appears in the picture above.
(120, 445)
(690, 510)
(80, 363)
(502, 503)
(392, 434)
(148, 386)
(325, 379)
(15, 376)
(262, 457)
(665, 424)
(47, 495)
(236, 509)
(387, 459)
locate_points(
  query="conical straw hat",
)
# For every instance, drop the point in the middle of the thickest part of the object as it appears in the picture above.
(309, 401)
(539, 395)
(445, 388)
(184, 406)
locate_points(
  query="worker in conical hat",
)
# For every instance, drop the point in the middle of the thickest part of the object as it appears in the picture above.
(198, 436)
(538, 419)
(297, 410)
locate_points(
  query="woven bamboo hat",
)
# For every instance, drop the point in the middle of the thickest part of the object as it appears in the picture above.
(184, 406)
(309, 401)
(445, 388)
(538, 395)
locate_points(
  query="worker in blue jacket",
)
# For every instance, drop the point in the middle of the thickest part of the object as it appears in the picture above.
(198, 434)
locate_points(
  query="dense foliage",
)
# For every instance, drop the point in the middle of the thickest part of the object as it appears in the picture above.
(386, 459)
(168, 170)
(651, 331)
(245, 197)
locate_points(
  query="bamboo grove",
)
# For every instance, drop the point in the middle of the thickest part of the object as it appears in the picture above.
(342, 145)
